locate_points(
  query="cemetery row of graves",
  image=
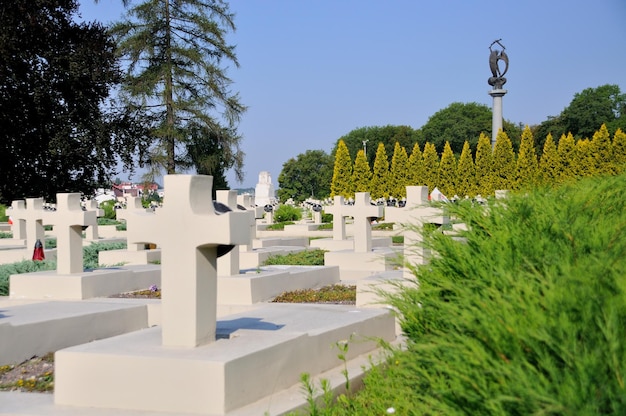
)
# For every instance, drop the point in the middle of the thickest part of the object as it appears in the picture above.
(482, 174)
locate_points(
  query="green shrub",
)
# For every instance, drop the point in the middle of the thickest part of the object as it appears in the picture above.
(108, 221)
(327, 217)
(383, 226)
(3, 213)
(109, 209)
(90, 252)
(6, 235)
(325, 226)
(287, 213)
(528, 316)
(279, 226)
(302, 258)
(25, 266)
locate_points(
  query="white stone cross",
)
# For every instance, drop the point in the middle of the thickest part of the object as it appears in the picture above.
(340, 211)
(189, 231)
(27, 217)
(363, 211)
(69, 220)
(412, 217)
(228, 264)
(133, 204)
(91, 233)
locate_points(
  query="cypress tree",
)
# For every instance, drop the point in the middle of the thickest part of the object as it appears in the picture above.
(415, 167)
(466, 173)
(526, 168)
(585, 161)
(361, 174)
(503, 162)
(602, 151)
(566, 151)
(619, 150)
(446, 178)
(342, 172)
(430, 166)
(549, 171)
(380, 175)
(484, 166)
(399, 172)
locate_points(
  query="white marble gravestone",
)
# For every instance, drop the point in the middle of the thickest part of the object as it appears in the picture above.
(27, 217)
(189, 232)
(264, 193)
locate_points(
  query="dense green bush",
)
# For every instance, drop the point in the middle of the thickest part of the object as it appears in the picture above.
(287, 213)
(526, 317)
(302, 258)
(109, 209)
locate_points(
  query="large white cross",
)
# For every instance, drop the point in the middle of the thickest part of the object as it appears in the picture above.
(189, 231)
(339, 211)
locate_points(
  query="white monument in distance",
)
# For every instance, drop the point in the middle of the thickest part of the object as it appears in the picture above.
(264, 193)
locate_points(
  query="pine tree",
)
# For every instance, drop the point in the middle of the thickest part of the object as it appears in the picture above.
(361, 174)
(380, 175)
(446, 178)
(430, 166)
(585, 165)
(619, 150)
(602, 150)
(548, 173)
(484, 167)
(526, 168)
(176, 53)
(415, 167)
(342, 173)
(466, 173)
(503, 162)
(399, 172)
(567, 158)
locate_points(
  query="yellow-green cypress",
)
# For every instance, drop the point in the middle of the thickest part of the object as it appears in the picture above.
(503, 162)
(399, 172)
(526, 167)
(484, 166)
(415, 167)
(446, 178)
(379, 184)
(430, 166)
(548, 173)
(342, 172)
(567, 158)
(466, 173)
(602, 151)
(585, 165)
(361, 174)
(619, 150)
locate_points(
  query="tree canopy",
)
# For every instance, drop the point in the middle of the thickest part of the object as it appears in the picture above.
(57, 133)
(308, 175)
(176, 50)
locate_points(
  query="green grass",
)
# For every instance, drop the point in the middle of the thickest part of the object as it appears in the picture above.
(326, 294)
(279, 226)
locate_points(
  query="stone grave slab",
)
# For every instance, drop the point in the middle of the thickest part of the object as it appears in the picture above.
(258, 354)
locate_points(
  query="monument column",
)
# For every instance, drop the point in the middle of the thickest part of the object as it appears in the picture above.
(497, 80)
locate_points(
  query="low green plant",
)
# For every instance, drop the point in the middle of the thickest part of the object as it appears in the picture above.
(325, 226)
(327, 294)
(302, 258)
(327, 217)
(121, 226)
(287, 213)
(397, 239)
(3, 213)
(383, 226)
(109, 209)
(108, 221)
(25, 266)
(4, 234)
(90, 252)
(279, 226)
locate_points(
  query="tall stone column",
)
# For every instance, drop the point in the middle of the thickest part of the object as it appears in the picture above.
(497, 80)
(496, 121)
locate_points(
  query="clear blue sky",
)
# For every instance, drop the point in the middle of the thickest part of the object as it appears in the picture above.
(314, 70)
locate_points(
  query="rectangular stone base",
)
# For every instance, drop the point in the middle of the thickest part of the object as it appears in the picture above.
(85, 285)
(336, 245)
(271, 281)
(123, 257)
(354, 265)
(258, 354)
(255, 258)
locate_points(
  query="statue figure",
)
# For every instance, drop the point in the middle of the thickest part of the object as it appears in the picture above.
(497, 80)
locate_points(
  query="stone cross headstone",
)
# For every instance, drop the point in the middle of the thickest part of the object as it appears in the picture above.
(27, 217)
(340, 211)
(189, 232)
(133, 204)
(363, 211)
(269, 214)
(69, 220)
(416, 212)
(91, 233)
(228, 264)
